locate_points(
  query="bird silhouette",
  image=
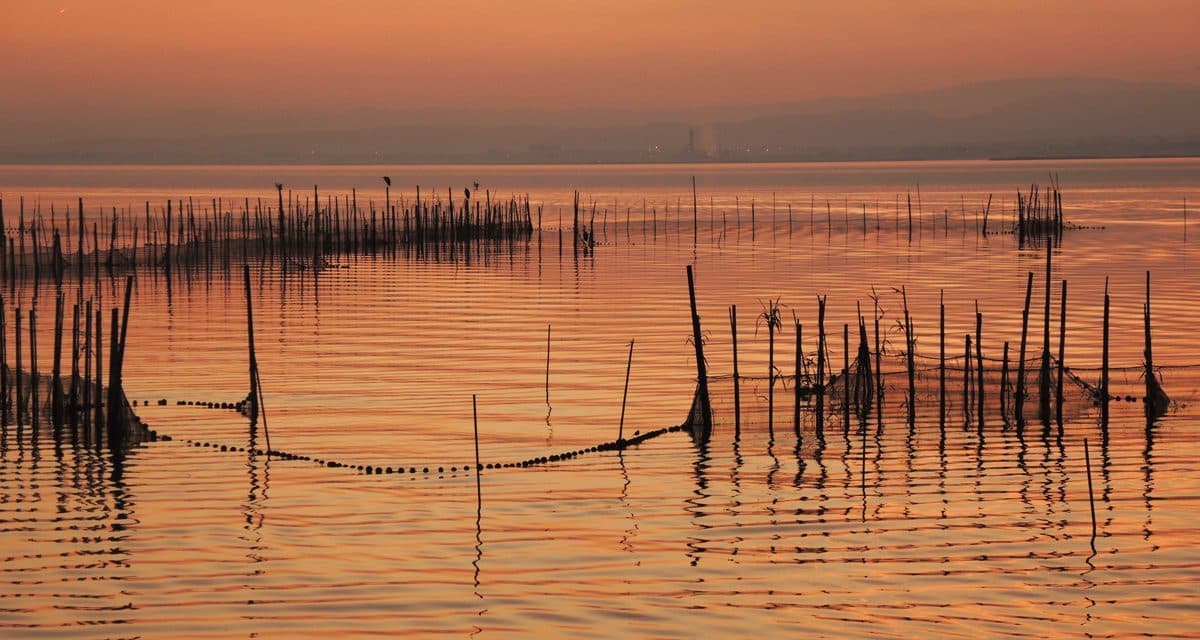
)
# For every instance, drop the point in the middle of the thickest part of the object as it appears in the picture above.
(387, 181)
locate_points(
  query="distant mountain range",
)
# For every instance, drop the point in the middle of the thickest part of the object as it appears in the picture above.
(1057, 117)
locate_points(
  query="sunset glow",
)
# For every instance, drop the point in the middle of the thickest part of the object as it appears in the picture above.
(599, 319)
(313, 54)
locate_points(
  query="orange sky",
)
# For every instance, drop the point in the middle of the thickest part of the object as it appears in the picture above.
(333, 54)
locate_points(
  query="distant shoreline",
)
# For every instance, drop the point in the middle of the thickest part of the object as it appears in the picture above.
(1144, 156)
(494, 163)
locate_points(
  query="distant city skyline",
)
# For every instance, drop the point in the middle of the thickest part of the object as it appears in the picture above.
(1060, 117)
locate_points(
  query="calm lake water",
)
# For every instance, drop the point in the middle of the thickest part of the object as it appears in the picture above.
(867, 529)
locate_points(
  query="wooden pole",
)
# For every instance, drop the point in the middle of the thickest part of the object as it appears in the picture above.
(478, 466)
(1156, 399)
(846, 375)
(625, 395)
(1004, 388)
(820, 385)
(33, 371)
(252, 396)
(967, 378)
(20, 387)
(118, 423)
(5, 382)
(115, 432)
(74, 394)
(85, 402)
(909, 344)
(1104, 362)
(771, 368)
(979, 361)
(878, 358)
(705, 407)
(98, 420)
(1019, 398)
(1044, 372)
(942, 357)
(1062, 341)
(56, 386)
(737, 396)
(798, 378)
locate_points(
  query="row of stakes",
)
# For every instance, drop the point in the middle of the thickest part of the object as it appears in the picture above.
(240, 407)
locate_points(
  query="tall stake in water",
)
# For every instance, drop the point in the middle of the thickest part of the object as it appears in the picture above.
(255, 395)
(705, 408)
(979, 361)
(771, 316)
(1044, 374)
(942, 358)
(478, 466)
(1156, 399)
(625, 395)
(846, 376)
(1062, 342)
(737, 399)
(252, 396)
(1019, 396)
(820, 383)
(1104, 363)
(909, 344)
(798, 377)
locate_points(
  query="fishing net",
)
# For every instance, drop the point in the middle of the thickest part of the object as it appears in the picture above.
(950, 390)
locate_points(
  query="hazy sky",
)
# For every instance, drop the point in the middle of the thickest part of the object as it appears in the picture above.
(101, 57)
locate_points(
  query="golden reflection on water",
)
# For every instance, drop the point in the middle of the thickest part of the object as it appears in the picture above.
(847, 528)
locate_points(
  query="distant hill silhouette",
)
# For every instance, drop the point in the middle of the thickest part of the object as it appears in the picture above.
(1052, 117)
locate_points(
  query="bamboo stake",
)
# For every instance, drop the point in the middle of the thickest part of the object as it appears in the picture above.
(56, 386)
(967, 365)
(798, 378)
(625, 395)
(979, 361)
(942, 358)
(1104, 362)
(1004, 386)
(99, 406)
(478, 466)
(701, 368)
(33, 371)
(20, 387)
(878, 354)
(1062, 341)
(846, 375)
(1044, 373)
(821, 350)
(737, 396)
(5, 383)
(252, 396)
(911, 362)
(1019, 399)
